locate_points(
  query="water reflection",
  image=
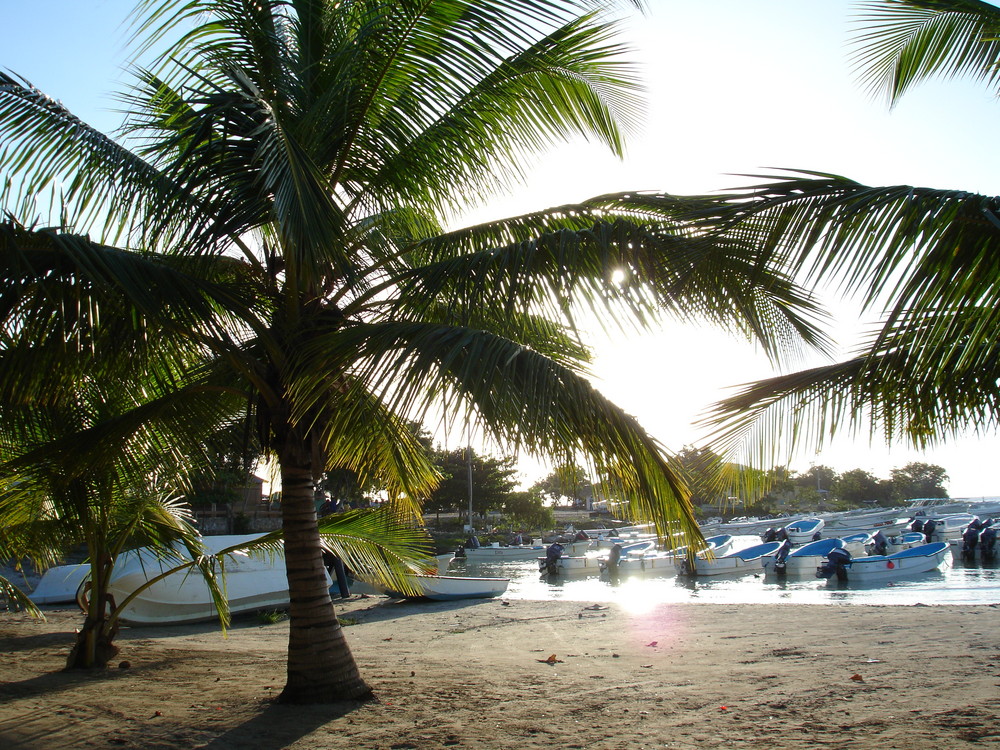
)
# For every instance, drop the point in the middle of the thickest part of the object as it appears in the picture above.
(955, 582)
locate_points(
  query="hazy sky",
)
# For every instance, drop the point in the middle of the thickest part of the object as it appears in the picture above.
(735, 87)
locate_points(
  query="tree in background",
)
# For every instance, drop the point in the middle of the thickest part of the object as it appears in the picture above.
(526, 510)
(567, 481)
(857, 487)
(493, 479)
(918, 480)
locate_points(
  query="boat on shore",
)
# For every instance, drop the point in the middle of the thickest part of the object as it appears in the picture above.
(449, 588)
(251, 583)
(59, 584)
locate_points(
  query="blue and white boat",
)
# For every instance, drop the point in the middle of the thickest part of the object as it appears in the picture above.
(804, 530)
(591, 563)
(882, 568)
(663, 563)
(747, 560)
(800, 560)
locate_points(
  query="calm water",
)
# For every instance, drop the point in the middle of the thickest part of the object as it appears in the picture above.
(953, 583)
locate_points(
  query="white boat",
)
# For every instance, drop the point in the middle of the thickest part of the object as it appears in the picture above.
(607, 542)
(801, 560)
(59, 584)
(662, 562)
(946, 528)
(883, 568)
(250, 584)
(589, 564)
(978, 542)
(892, 544)
(856, 543)
(804, 530)
(746, 560)
(519, 551)
(449, 588)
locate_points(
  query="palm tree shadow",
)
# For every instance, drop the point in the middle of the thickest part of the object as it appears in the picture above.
(278, 726)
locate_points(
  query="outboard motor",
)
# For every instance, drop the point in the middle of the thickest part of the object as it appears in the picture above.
(970, 538)
(550, 564)
(780, 556)
(929, 525)
(473, 542)
(781, 535)
(613, 557)
(880, 545)
(460, 551)
(988, 543)
(817, 536)
(582, 536)
(769, 536)
(917, 525)
(836, 564)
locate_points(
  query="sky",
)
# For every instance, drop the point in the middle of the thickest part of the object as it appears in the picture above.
(733, 88)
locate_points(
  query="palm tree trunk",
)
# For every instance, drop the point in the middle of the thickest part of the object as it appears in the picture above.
(95, 646)
(321, 668)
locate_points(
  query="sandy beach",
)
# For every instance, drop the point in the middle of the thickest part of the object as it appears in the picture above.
(479, 675)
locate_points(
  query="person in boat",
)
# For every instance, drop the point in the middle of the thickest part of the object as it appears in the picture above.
(517, 539)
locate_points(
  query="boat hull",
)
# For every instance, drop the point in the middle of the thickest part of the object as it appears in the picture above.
(749, 560)
(910, 562)
(521, 552)
(451, 588)
(58, 585)
(250, 584)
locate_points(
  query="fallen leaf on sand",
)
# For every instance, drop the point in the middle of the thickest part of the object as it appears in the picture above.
(551, 660)
(857, 678)
(646, 666)
(653, 644)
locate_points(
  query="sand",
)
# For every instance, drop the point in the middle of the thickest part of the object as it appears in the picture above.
(475, 675)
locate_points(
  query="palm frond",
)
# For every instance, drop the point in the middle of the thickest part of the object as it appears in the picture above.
(900, 43)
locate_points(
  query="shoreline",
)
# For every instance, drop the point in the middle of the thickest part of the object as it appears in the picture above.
(476, 673)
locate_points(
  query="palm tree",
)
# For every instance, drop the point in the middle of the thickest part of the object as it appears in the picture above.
(927, 261)
(314, 149)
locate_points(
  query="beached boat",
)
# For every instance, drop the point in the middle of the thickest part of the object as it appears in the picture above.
(882, 568)
(449, 588)
(804, 530)
(799, 560)
(517, 551)
(747, 560)
(59, 584)
(251, 584)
